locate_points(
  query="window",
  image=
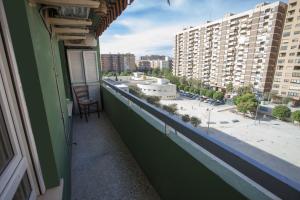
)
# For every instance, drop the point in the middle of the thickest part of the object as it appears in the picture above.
(280, 61)
(297, 25)
(295, 81)
(296, 32)
(276, 80)
(283, 47)
(292, 5)
(280, 67)
(294, 40)
(278, 73)
(286, 80)
(295, 74)
(275, 86)
(286, 34)
(290, 19)
(287, 27)
(291, 54)
(282, 54)
(293, 94)
(297, 68)
(290, 61)
(294, 47)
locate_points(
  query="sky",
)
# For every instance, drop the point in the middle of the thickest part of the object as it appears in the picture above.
(148, 27)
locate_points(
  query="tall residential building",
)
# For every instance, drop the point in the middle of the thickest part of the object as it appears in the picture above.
(287, 76)
(118, 62)
(239, 48)
(155, 61)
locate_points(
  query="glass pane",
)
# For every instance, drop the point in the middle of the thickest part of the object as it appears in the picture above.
(24, 189)
(6, 150)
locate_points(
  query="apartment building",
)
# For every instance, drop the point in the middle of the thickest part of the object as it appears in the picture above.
(155, 61)
(118, 62)
(239, 48)
(287, 76)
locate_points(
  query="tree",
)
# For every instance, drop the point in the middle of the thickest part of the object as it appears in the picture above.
(229, 87)
(246, 103)
(209, 93)
(183, 81)
(181, 87)
(203, 91)
(281, 112)
(245, 89)
(187, 88)
(156, 72)
(286, 100)
(153, 100)
(218, 95)
(296, 116)
(136, 91)
(172, 108)
(195, 121)
(191, 89)
(186, 118)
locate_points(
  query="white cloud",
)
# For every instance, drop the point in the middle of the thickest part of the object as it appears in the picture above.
(142, 40)
(144, 37)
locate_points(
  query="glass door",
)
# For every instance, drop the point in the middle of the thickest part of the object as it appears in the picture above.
(15, 180)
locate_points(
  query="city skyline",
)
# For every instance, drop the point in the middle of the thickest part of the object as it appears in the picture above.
(138, 28)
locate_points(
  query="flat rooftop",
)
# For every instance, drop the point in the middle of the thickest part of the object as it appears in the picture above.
(270, 142)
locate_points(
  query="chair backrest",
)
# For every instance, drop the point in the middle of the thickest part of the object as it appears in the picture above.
(81, 92)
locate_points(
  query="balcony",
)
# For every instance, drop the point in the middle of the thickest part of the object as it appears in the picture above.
(179, 161)
(104, 164)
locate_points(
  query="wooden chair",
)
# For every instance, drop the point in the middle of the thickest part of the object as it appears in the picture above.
(84, 102)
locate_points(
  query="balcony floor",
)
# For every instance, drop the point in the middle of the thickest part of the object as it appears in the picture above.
(102, 166)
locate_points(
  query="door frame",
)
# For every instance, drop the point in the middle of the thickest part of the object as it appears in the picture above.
(21, 116)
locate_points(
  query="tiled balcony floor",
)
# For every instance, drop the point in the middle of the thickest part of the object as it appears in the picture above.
(102, 166)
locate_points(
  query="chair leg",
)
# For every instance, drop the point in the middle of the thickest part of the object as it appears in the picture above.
(88, 110)
(80, 112)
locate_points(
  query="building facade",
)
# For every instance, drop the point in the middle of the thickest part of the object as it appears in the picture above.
(118, 62)
(162, 89)
(239, 48)
(287, 76)
(154, 61)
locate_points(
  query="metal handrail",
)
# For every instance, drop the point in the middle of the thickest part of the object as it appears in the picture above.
(271, 180)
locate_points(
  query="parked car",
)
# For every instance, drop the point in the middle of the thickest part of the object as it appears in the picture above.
(218, 102)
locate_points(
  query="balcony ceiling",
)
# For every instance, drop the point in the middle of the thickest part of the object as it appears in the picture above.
(76, 20)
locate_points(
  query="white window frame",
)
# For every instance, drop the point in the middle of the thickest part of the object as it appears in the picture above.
(29, 161)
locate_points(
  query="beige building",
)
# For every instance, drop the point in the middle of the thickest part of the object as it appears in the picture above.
(118, 62)
(239, 48)
(154, 61)
(287, 76)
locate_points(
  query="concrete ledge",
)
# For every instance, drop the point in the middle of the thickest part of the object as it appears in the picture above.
(55, 193)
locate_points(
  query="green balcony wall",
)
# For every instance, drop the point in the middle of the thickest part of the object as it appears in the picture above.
(40, 64)
(174, 173)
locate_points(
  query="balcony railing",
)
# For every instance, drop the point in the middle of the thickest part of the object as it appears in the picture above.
(235, 169)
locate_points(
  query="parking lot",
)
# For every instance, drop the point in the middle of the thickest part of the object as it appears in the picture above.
(272, 136)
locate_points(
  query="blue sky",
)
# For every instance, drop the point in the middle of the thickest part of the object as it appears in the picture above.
(149, 26)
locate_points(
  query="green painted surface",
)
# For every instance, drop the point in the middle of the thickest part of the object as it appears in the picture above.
(64, 65)
(173, 172)
(40, 66)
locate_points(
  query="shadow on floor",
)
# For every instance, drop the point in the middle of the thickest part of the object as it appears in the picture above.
(102, 166)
